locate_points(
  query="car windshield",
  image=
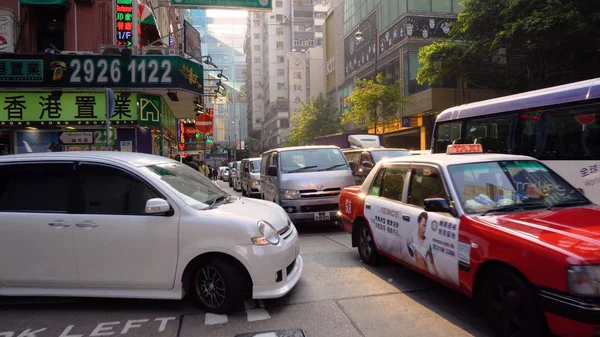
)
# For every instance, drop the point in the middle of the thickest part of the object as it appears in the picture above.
(255, 166)
(383, 154)
(484, 187)
(188, 183)
(312, 160)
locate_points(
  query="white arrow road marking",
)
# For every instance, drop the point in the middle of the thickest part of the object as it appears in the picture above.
(212, 319)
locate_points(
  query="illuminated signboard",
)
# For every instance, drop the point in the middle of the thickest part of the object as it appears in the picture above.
(124, 21)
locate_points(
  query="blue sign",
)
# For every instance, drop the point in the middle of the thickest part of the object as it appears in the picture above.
(405, 122)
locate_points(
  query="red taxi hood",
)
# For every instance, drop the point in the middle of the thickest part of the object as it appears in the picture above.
(576, 230)
(352, 189)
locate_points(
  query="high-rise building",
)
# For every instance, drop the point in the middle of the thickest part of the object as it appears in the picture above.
(291, 27)
(222, 34)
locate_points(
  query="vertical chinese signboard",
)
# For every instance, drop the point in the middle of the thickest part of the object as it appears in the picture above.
(297, 80)
(124, 22)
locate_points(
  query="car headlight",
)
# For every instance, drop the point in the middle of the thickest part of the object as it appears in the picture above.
(584, 280)
(254, 182)
(269, 235)
(290, 194)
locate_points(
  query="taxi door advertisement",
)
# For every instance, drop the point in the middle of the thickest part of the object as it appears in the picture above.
(430, 242)
(384, 217)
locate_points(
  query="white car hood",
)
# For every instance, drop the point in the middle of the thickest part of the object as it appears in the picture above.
(256, 209)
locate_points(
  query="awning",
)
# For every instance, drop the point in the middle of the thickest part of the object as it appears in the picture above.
(148, 25)
(146, 15)
(64, 3)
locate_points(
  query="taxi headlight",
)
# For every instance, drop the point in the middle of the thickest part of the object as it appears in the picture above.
(290, 194)
(584, 280)
(269, 235)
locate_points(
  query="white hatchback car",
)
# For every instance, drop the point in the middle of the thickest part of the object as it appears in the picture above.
(117, 224)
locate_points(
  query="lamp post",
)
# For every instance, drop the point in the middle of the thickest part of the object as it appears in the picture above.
(359, 36)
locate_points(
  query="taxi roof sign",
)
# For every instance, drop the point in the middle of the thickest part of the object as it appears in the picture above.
(464, 148)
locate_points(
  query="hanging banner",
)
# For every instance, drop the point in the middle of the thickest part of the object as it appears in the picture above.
(7, 34)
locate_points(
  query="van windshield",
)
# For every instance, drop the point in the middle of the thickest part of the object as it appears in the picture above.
(312, 160)
(255, 166)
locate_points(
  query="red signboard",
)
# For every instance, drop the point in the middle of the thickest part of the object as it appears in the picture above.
(204, 123)
(124, 22)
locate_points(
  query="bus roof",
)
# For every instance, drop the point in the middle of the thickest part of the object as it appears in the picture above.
(573, 92)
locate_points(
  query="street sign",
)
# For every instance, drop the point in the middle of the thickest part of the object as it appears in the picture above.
(204, 123)
(77, 137)
(254, 5)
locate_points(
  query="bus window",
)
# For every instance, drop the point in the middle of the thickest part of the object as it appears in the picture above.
(495, 134)
(446, 134)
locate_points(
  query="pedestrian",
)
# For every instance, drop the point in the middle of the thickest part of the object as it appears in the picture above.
(215, 174)
(189, 161)
(205, 171)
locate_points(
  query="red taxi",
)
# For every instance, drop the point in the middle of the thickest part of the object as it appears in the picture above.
(503, 229)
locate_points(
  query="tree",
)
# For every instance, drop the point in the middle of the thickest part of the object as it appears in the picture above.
(376, 101)
(518, 45)
(318, 117)
(252, 145)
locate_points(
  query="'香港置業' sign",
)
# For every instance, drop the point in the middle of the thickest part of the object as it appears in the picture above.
(101, 71)
(254, 5)
(45, 108)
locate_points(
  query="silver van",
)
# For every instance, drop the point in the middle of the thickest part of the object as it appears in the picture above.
(250, 177)
(306, 181)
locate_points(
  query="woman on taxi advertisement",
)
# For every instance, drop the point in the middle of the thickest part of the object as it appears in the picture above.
(419, 246)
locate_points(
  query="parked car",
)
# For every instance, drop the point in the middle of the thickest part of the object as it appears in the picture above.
(250, 177)
(365, 159)
(236, 177)
(223, 173)
(306, 181)
(502, 229)
(119, 224)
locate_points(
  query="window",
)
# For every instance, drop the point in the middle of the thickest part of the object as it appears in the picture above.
(35, 187)
(257, 60)
(446, 134)
(411, 69)
(425, 183)
(278, 4)
(376, 187)
(279, 30)
(257, 72)
(312, 160)
(256, 15)
(443, 6)
(258, 96)
(256, 47)
(49, 26)
(257, 84)
(320, 15)
(279, 59)
(318, 28)
(279, 17)
(419, 5)
(279, 45)
(280, 72)
(107, 190)
(280, 86)
(393, 182)
(256, 23)
(257, 35)
(493, 133)
(284, 123)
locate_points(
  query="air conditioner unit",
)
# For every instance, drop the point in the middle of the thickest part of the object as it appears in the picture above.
(154, 51)
(272, 16)
(76, 52)
(111, 49)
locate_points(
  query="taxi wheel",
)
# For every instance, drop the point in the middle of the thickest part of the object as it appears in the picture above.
(366, 247)
(510, 307)
(216, 286)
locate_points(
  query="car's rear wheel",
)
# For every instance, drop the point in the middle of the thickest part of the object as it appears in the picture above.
(509, 305)
(217, 286)
(366, 246)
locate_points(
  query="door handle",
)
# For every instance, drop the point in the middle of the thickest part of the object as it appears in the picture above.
(86, 225)
(59, 224)
(405, 218)
(368, 206)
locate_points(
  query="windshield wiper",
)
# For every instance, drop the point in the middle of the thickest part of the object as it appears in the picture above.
(568, 203)
(514, 207)
(219, 198)
(331, 167)
(302, 169)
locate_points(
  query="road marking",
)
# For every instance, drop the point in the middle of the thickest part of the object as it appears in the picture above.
(213, 319)
(258, 314)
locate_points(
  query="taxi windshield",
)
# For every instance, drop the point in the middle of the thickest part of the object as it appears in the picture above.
(484, 187)
(383, 154)
(188, 183)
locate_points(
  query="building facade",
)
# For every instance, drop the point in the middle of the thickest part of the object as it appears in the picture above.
(64, 55)
(393, 32)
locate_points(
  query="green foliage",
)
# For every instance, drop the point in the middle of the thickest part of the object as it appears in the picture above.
(318, 117)
(372, 102)
(252, 145)
(520, 45)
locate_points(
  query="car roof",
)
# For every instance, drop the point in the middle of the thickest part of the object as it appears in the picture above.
(310, 147)
(443, 159)
(132, 158)
(375, 149)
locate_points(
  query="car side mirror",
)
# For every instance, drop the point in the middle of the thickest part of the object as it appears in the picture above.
(438, 205)
(353, 167)
(367, 164)
(157, 206)
(272, 171)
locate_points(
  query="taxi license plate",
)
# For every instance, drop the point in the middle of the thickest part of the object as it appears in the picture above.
(322, 216)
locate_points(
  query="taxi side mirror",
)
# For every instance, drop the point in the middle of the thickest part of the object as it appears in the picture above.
(581, 190)
(367, 164)
(440, 205)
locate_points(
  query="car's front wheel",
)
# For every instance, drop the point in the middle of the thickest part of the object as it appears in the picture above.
(217, 286)
(366, 246)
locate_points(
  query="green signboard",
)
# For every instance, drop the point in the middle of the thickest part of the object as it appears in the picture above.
(150, 110)
(101, 71)
(255, 5)
(168, 120)
(48, 109)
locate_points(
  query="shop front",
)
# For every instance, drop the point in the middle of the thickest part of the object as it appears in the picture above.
(406, 132)
(57, 102)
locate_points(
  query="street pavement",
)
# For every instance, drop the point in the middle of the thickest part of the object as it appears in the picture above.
(337, 296)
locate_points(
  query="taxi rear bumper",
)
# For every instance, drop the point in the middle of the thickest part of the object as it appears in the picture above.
(570, 316)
